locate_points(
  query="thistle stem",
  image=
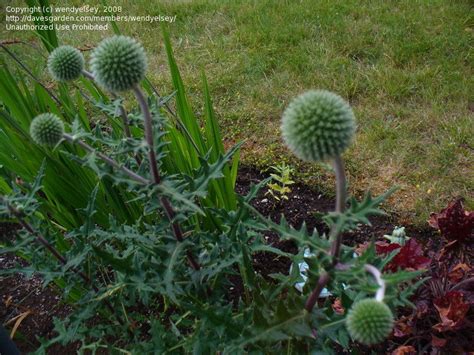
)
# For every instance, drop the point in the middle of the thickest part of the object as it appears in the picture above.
(170, 213)
(88, 75)
(313, 297)
(335, 234)
(147, 122)
(126, 123)
(107, 159)
(341, 193)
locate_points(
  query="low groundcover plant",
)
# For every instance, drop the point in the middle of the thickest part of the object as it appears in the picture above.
(162, 283)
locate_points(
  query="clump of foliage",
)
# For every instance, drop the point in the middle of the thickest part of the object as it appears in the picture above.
(454, 223)
(279, 188)
(440, 320)
(161, 283)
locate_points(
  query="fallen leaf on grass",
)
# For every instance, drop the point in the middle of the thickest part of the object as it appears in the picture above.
(454, 222)
(410, 256)
(404, 350)
(452, 310)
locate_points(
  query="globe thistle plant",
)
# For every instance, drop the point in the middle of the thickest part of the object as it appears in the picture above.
(369, 321)
(47, 129)
(318, 125)
(65, 63)
(118, 63)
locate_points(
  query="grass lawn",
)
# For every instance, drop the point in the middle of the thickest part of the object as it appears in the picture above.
(405, 66)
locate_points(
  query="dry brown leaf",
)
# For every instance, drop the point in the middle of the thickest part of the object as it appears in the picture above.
(452, 309)
(8, 301)
(402, 327)
(18, 319)
(404, 350)
(361, 248)
(338, 307)
(458, 272)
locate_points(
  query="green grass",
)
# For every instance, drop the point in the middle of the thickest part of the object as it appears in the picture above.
(405, 66)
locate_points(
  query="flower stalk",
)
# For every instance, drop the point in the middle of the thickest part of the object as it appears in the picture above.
(170, 213)
(335, 233)
(106, 159)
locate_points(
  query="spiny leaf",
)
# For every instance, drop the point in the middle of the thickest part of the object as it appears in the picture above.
(119, 264)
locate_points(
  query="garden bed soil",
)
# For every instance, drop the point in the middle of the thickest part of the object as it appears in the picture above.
(20, 295)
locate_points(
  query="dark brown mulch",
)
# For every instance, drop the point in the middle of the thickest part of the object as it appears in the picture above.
(18, 294)
(304, 204)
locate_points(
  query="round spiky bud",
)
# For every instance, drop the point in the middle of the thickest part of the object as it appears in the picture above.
(318, 125)
(47, 129)
(369, 321)
(65, 63)
(118, 63)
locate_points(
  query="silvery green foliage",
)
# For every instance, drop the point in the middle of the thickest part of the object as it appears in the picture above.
(47, 129)
(118, 63)
(369, 321)
(318, 125)
(147, 270)
(158, 303)
(65, 63)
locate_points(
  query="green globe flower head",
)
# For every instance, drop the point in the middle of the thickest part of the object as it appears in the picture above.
(47, 129)
(369, 321)
(65, 63)
(118, 63)
(318, 125)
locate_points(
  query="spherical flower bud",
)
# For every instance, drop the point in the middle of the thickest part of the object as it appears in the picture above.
(318, 125)
(118, 63)
(47, 129)
(369, 321)
(65, 63)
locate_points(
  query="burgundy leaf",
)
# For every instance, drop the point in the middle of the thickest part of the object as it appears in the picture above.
(410, 256)
(454, 222)
(386, 248)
